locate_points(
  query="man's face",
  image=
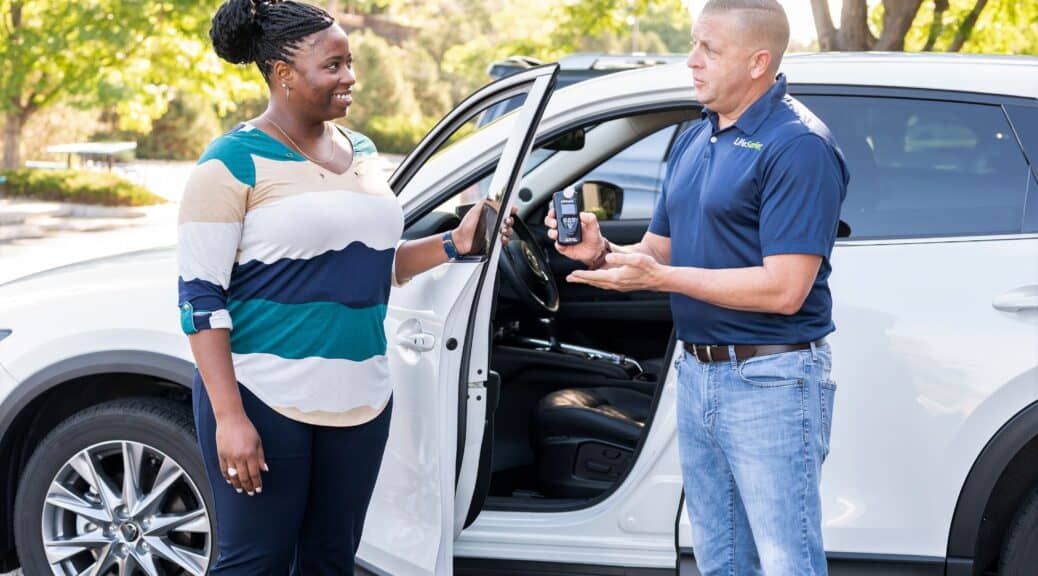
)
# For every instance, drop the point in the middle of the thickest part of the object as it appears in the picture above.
(720, 62)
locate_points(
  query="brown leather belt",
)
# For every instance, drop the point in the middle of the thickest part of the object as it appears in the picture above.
(719, 353)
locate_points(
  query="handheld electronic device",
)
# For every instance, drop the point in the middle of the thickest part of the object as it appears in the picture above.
(567, 204)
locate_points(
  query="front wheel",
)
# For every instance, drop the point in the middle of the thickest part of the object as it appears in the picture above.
(117, 490)
(1020, 554)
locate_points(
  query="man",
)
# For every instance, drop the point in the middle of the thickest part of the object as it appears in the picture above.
(741, 238)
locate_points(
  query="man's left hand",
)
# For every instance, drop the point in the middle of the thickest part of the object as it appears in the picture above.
(628, 273)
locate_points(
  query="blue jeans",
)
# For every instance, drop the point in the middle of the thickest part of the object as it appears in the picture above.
(752, 437)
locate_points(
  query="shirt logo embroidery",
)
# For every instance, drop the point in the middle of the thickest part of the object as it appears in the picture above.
(744, 143)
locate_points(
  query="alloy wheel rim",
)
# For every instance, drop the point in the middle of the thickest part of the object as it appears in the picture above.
(125, 508)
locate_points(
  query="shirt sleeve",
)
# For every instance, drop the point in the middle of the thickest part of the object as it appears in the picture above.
(803, 188)
(660, 223)
(208, 234)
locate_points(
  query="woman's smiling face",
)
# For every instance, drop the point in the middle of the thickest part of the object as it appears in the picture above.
(323, 75)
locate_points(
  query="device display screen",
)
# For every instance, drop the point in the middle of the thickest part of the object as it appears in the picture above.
(569, 209)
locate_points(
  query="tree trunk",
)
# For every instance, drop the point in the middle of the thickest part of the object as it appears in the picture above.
(937, 25)
(854, 34)
(13, 122)
(827, 40)
(967, 26)
(898, 16)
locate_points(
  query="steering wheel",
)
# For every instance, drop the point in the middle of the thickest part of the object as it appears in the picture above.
(525, 266)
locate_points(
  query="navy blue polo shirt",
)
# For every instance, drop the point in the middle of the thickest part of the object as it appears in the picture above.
(772, 183)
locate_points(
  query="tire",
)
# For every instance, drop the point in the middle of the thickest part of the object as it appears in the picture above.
(74, 487)
(1020, 554)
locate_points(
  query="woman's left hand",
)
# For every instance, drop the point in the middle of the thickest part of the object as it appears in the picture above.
(465, 235)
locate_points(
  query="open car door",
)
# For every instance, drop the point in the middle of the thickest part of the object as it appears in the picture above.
(438, 333)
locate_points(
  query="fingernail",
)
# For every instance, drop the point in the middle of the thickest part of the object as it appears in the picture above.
(265, 467)
(238, 490)
(259, 490)
(252, 493)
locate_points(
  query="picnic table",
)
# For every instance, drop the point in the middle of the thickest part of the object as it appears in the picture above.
(104, 152)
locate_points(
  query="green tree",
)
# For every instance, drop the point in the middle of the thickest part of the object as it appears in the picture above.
(183, 132)
(133, 55)
(992, 26)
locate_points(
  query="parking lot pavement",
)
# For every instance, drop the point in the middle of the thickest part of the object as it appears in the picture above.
(83, 238)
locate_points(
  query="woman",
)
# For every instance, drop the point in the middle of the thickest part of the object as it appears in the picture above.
(288, 245)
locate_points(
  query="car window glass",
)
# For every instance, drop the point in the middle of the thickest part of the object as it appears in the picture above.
(924, 168)
(638, 170)
(480, 120)
(1031, 217)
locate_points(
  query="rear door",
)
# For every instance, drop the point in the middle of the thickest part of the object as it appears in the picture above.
(937, 264)
(438, 361)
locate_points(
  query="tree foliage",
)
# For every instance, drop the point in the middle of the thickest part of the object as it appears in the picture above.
(133, 55)
(988, 26)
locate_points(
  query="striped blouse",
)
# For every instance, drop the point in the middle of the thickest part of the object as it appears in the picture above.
(297, 262)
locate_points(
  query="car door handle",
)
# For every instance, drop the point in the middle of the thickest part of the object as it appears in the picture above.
(420, 341)
(1018, 299)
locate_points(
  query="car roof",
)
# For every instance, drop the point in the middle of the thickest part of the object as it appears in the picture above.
(1004, 75)
(606, 61)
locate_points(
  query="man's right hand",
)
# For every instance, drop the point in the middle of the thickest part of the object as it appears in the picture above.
(592, 244)
(241, 450)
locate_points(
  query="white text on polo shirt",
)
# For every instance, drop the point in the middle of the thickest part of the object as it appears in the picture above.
(744, 143)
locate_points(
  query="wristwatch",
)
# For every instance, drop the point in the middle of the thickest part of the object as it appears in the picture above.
(449, 247)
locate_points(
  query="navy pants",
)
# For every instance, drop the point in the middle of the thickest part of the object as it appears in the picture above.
(309, 517)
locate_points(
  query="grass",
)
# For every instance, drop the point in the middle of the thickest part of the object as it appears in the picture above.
(76, 186)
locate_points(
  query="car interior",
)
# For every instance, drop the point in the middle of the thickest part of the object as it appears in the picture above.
(575, 370)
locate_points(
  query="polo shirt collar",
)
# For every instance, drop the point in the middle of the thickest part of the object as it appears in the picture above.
(758, 112)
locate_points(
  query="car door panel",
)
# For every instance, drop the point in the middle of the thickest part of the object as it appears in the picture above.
(430, 468)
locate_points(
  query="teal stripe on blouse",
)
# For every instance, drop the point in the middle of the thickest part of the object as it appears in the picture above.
(316, 329)
(362, 145)
(236, 149)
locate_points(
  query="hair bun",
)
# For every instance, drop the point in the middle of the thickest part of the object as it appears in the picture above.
(234, 30)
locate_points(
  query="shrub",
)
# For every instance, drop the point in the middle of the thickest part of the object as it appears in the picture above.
(76, 186)
(182, 133)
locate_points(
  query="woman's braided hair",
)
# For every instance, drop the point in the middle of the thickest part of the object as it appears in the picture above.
(262, 31)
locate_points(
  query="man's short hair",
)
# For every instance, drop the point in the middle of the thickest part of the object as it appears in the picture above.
(764, 21)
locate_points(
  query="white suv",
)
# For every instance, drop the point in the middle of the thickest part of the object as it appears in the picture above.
(534, 426)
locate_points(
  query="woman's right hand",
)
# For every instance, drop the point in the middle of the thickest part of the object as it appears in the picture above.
(240, 449)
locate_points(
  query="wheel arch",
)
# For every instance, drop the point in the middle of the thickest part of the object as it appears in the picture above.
(1003, 474)
(39, 403)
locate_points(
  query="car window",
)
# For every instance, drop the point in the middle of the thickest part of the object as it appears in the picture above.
(1031, 216)
(638, 169)
(924, 168)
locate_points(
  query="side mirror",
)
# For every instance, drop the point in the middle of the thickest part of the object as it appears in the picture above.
(572, 140)
(604, 199)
